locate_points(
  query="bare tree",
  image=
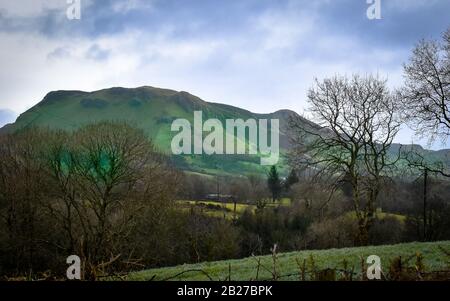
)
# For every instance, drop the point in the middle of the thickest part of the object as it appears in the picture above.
(258, 191)
(23, 189)
(357, 122)
(106, 175)
(426, 95)
(427, 88)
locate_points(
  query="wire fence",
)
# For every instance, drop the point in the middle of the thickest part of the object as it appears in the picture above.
(400, 269)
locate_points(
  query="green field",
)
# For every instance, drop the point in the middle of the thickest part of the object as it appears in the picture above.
(381, 215)
(288, 269)
(226, 210)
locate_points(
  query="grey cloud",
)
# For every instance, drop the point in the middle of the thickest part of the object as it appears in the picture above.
(59, 53)
(95, 52)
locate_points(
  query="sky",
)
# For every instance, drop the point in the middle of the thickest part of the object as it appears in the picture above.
(261, 55)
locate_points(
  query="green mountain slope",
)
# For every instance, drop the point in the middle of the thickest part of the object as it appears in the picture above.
(153, 110)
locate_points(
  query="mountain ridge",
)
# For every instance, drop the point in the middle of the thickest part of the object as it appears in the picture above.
(153, 109)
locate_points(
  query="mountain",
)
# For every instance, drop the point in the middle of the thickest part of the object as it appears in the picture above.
(152, 110)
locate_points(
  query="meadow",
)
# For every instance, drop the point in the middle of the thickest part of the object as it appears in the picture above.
(287, 264)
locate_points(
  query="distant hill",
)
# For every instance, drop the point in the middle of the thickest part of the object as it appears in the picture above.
(153, 110)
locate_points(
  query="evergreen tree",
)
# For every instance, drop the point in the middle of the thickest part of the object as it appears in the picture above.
(274, 183)
(291, 179)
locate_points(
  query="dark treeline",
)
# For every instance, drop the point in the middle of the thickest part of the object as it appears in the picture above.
(321, 216)
(105, 194)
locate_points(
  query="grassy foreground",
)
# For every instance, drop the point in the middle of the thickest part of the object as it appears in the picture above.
(287, 263)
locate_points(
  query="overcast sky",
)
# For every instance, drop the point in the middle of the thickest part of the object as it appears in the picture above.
(261, 55)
